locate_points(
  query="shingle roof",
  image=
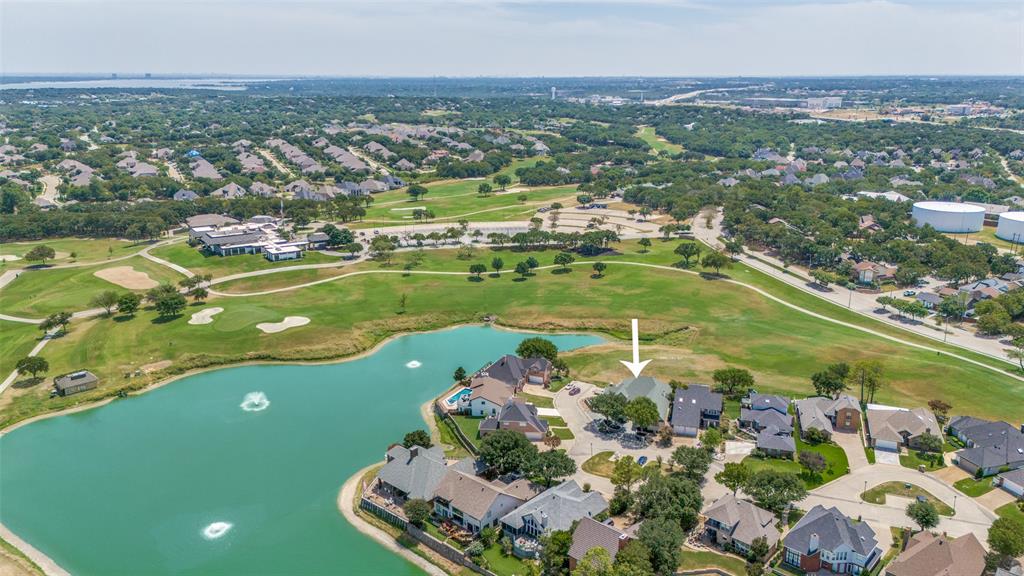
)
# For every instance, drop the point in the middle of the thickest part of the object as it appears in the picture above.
(766, 418)
(489, 389)
(416, 471)
(590, 534)
(517, 411)
(558, 507)
(691, 402)
(472, 495)
(930, 555)
(771, 439)
(747, 520)
(512, 369)
(779, 404)
(893, 424)
(833, 530)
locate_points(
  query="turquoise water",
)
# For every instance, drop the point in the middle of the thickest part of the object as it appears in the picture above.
(454, 398)
(129, 488)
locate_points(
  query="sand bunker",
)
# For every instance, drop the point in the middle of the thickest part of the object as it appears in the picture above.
(288, 322)
(147, 368)
(127, 277)
(204, 316)
(9, 258)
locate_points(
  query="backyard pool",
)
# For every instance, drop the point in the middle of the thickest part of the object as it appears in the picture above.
(453, 400)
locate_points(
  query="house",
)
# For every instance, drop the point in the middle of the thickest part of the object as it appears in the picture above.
(370, 186)
(278, 253)
(488, 395)
(695, 407)
(516, 372)
(868, 272)
(776, 442)
(889, 428)
(759, 411)
(262, 190)
(201, 168)
(590, 534)
(554, 509)
(519, 416)
(185, 195)
(929, 555)
(75, 382)
(1012, 482)
(475, 156)
(728, 182)
(404, 164)
(991, 446)
(317, 241)
(867, 222)
(413, 472)
(825, 539)
(734, 524)
(229, 191)
(646, 387)
(828, 415)
(297, 187)
(929, 300)
(203, 222)
(472, 502)
(392, 182)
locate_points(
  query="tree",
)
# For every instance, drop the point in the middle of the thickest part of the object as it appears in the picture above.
(634, 560)
(668, 496)
(552, 464)
(831, 380)
(599, 268)
(477, 269)
(56, 320)
(532, 262)
(564, 259)
(941, 408)
(734, 476)
(417, 511)
(929, 443)
(337, 236)
(497, 263)
(733, 381)
(417, 438)
(502, 180)
(129, 303)
(995, 322)
(170, 305)
(40, 254)
(416, 191)
(460, 374)
(687, 250)
(923, 514)
(382, 249)
(523, 269)
(775, 490)
(1006, 537)
(716, 260)
(813, 461)
(554, 553)
(868, 374)
(353, 248)
(711, 439)
(815, 436)
(758, 550)
(507, 451)
(626, 473)
(642, 412)
(1017, 352)
(199, 293)
(537, 347)
(823, 277)
(611, 405)
(645, 243)
(596, 562)
(107, 300)
(694, 462)
(664, 539)
(33, 365)
(552, 441)
(484, 189)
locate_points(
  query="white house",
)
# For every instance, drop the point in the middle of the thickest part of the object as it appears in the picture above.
(488, 396)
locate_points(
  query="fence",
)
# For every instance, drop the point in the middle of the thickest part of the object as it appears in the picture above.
(382, 513)
(446, 551)
(454, 426)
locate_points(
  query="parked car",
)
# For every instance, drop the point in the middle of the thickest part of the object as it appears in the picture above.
(574, 391)
(909, 293)
(641, 460)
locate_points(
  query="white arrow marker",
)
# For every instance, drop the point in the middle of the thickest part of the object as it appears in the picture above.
(636, 366)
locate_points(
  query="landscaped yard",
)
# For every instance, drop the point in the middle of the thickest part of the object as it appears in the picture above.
(184, 255)
(974, 487)
(538, 401)
(470, 426)
(697, 559)
(453, 448)
(877, 495)
(504, 565)
(913, 459)
(563, 433)
(600, 464)
(1011, 510)
(835, 461)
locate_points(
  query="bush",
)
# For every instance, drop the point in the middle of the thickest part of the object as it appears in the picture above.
(619, 503)
(815, 436)
(475, 550)
(488, 536)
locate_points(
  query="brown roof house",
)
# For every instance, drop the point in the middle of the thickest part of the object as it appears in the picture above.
(889, 428)
(930, 555)
(472, 502)
(75, 382)
(590, 534)
(488, 396)
(828, 415)
(868, 272)
(734, 524)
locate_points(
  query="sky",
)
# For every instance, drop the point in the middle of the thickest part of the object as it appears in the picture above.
(514, 38)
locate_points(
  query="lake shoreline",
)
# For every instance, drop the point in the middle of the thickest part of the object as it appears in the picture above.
(342, 359)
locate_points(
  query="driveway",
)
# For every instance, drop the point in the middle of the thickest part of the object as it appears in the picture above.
(995, 498)
(951, 474)
(887, 457)
(851, 444)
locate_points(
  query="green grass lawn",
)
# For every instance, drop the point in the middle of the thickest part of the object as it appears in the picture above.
(1011, 510)
(470, 426)
(538, 401)
(974, 487)
(184, 255)
(453, 202)
(701, 325)
(877, 495)
(84, 249)
(453, 448)
(835, 460)
(16, 342)
(36, 293)
(504, 565)
(555, 421)
(600, 464)
(913, 459)
(657, 143)
(697, 559)
(563, 433)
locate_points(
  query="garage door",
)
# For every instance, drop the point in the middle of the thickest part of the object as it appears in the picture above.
(887, 445)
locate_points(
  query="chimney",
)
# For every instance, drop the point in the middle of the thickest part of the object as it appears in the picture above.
(812, 546)
(414, 451)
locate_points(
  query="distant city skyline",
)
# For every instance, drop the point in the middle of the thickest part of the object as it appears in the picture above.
(514, 38)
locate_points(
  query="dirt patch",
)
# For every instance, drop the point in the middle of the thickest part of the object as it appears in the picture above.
(204, 316)
(9, 258)
(155, 366)
(127, 277)
(288, 322)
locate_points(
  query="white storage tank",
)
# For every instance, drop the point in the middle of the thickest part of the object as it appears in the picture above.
(1011, 226)
(950, 217)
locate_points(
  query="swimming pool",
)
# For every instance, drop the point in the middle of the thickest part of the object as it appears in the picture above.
(454, 399)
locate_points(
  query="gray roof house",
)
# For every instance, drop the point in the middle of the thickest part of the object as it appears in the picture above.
(761, 402)
(229, 191)
(889, 428)
(826, 539)
(693, 408)
(760, 419)
(647, 387)
(990, 445)
(519, 416)
(75, 382)
(413, 472)
(554, 509)
(185, 195)
(516, 372)
(776, 442)
(735, 522)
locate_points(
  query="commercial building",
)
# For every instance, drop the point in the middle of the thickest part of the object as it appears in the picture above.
(949, 217)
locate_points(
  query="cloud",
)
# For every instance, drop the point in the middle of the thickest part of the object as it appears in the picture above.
(513, 37)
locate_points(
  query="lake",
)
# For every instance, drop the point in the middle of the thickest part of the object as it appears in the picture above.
(234, 471)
